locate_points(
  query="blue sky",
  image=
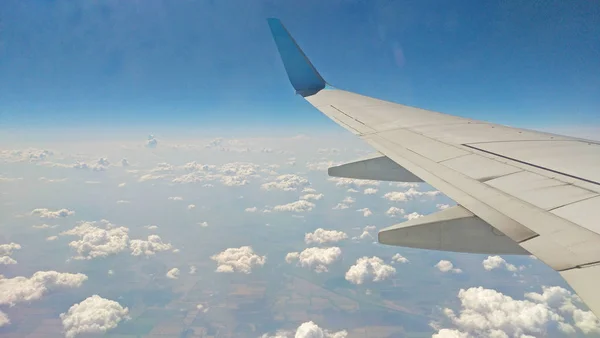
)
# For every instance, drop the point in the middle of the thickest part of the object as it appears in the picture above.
(190, 65)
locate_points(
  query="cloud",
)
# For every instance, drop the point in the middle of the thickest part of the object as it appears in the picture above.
(442, 206)
(399, 196)
(317, 258)
(413, 215)
(151, 227)
(370, 191)
(366, 212)
(307, 330)
(241, 259)
(173, 273)
(52, 180)
(203, 224)
(287, 182)
(98, 239)
(322, 236)
(352, 183)
(23, 289)
(393, 212)
(398, 258)
(148, 248)
(297, 206)
(6, 250)
(495, 262)
(152, 142)
(121, 185)
(191, 206)
(124, 162)
(123, 202)
(252, 209)
(489, 313)
(44, 226)
(46, 213)
(4, 321)
(447, 266)
(51, 238)
(372, 268)
(94, 315)
(193, 270)
(314, 197)
(175, 198)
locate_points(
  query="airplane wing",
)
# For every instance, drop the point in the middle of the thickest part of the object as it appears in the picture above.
(517, 191)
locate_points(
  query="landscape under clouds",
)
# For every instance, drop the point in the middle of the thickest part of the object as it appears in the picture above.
(244, 238)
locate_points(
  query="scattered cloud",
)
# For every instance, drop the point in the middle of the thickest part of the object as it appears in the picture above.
(314, 197)
(6, 250)
(23, 289)
(148, 248)
(307, 330)
(152, 142)
(369, 268)
(287, 182)
(495, 262)
(47, 213)
(297, 206)
(370, 191)
(175, 198)
(173, 273)
(399, 196)
(241, 259)
(98, 239)
(447, 266)
(317, 258)
(191, 206)
(413, 215)
(252, 209)
(366, 212)
(394, 212)
(322, 236)
(94, 315)
(398, 258)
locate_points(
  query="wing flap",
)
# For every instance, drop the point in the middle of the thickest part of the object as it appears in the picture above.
(378, 167)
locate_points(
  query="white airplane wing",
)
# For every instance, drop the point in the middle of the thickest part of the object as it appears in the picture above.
(517, 191)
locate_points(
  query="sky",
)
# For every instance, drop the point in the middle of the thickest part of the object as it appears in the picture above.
(162, 65)
(159, 178)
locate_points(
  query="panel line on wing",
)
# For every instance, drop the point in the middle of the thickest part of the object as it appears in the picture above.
(533, 165)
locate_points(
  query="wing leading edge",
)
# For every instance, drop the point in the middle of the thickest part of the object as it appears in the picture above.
(518, 191)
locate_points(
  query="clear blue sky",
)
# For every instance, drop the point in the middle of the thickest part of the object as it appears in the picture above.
(191, 64)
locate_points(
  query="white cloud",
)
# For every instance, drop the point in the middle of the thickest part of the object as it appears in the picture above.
(4, 319)
(309, 190)
(447, 266)
(287, 182)
(175, 198)
(442, 206)
(121, 185)
(308, 330)
(148, 248)
(324, 236)
(94, 315)
(314, 197)
(151, 227)
(7, 260)
(351, 190)
(398, 258)
(44, 226)
(352, 183)
(191, 206)
(317, 258)
(366, 212)
(297, 206)
(413, 215)
(51, 238)
(46, 213)
(23, 289)
(98, 239)
(123, 202)
(241, 259)
(193, 269)
(372, 268)
(124, 162)
(399, 196)
(173, 273)
(6, 250)
(489, 313)
(495, 262)
(320, 165)
(152, 142)
(393, 212)
(252, 209)
(340, 206)
(203, 224)
(370, 191)
(52, 180)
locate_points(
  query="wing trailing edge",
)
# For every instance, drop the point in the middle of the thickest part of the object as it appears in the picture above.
(453, 229)
(375, 167)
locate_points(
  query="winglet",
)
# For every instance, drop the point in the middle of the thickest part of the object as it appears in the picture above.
(302, 74)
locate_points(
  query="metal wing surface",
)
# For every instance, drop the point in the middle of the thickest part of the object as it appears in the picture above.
(517, 191)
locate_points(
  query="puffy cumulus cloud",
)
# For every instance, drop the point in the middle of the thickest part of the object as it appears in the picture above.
(307, 330)
(241, 259)
(366, 212)
(4, 319)
(398, 258)
(151, 227)
(394, 212)
(25, 155)
(495, 262)
(317, 258)
(447, 266)
(324, 236)
(98, 239)
(94, 315)
(287, 182)
(399, 196)
(442, 206)
(366, 233)
(404, 184)
(297, 206)
(148, 248)
(173, 273)
(252, 209)
(51, 238)
(309, 190)
(320, 165)
(45, 226)
(369, 268)
(370, 191)
(47, 213)
(413, 215)
(345, 203)
(229, 174)
(151, 142)
(314, 197)
(489, 313)
(22, 289)
(353, 183)
(6, 250)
